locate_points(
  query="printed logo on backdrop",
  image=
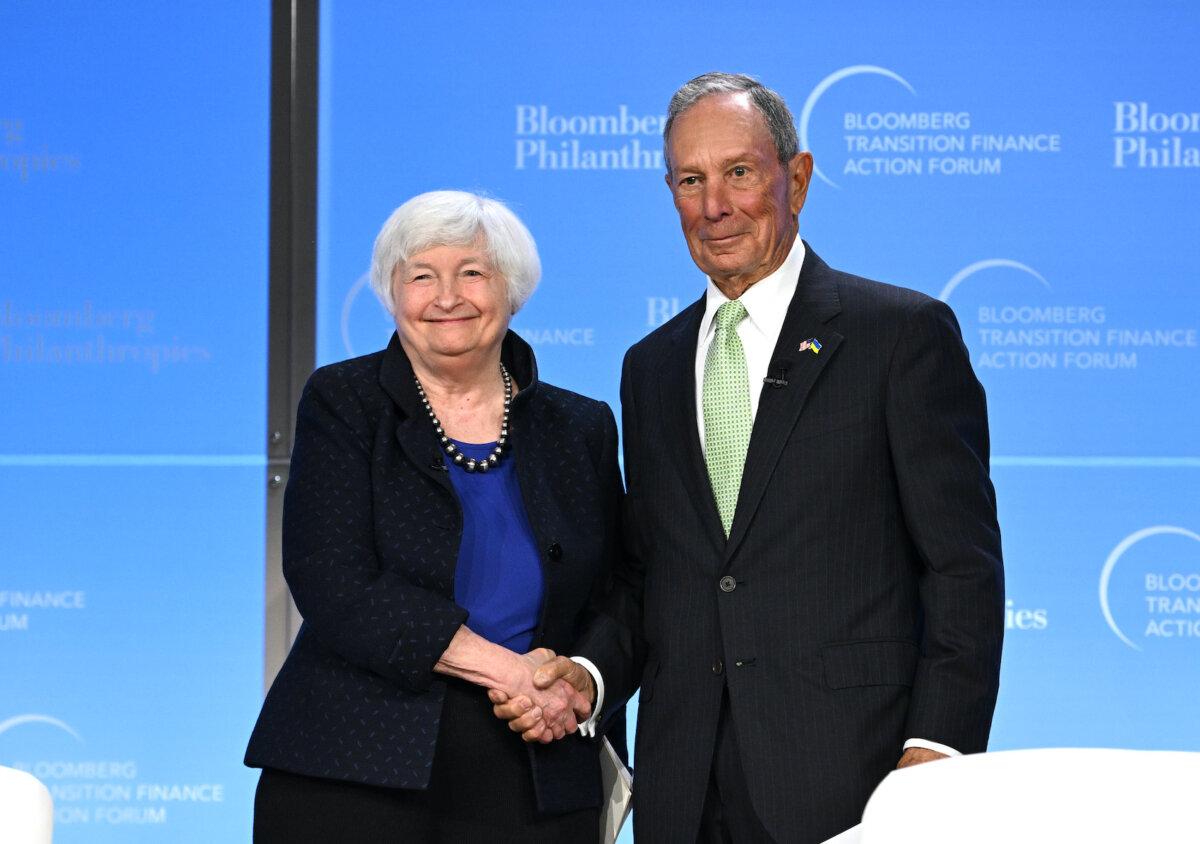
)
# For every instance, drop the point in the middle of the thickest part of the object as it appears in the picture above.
(28, 160)
(1025, 619)
(90, 335)
(1146, 137)
(366, 325)
(21, 720)
(1150, 587)
(1012, 320)
(543, 336)
(659, 309)
(546, 139)
(22, 611)
(97, 789)
(898, 134)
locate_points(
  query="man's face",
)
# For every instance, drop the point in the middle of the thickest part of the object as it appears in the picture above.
(737, 203)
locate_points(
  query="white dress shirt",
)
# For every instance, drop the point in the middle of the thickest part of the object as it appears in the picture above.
(766, 302)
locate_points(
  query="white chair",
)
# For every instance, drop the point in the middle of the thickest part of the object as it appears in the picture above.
(26, 809)
(1033, 796)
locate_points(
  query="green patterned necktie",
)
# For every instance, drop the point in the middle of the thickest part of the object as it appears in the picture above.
(727, 419)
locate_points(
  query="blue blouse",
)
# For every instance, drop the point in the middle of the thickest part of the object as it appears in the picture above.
(499, 575)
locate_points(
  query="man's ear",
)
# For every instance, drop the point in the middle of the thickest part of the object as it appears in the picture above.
(799, 177)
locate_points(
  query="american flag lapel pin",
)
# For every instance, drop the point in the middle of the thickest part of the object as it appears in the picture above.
(812, 344)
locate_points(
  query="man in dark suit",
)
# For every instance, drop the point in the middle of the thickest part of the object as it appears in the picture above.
(813, 592)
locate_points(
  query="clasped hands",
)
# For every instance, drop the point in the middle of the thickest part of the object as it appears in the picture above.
(552, 695)
(547, 701)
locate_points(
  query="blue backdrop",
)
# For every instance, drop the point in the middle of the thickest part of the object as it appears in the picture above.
(1035, 165)
(133, 289)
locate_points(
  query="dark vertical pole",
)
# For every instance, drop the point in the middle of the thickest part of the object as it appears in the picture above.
(293, 280)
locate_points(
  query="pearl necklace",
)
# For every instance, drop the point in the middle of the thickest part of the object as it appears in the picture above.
(470, 464)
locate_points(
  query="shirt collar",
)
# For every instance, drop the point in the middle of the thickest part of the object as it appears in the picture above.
(766, 300)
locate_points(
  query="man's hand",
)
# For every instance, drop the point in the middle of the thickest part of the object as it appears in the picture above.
(919, 756)
(556, 675)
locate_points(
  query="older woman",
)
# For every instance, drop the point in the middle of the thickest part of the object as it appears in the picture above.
(446, 513)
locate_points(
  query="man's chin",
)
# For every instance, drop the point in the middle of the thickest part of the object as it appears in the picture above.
(721, 265)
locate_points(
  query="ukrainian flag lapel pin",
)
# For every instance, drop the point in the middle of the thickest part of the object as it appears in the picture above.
(812, 344)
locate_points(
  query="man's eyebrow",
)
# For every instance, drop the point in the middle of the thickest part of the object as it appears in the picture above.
(746, 157)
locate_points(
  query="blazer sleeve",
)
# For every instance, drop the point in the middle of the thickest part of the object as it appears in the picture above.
(613, 640)
(371, 617)
(608, 470)
(938, 433)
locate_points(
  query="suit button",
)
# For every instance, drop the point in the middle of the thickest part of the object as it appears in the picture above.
(718, 667)
(728, 584)
(554, 552)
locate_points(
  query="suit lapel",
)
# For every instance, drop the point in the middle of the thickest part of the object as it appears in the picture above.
(677, 392)
(535, 459)
(813, 305)
(414, 431)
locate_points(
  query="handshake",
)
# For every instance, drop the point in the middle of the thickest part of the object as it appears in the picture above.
(546, 698)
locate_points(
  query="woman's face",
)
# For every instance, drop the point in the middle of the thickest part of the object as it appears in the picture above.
(450, 301)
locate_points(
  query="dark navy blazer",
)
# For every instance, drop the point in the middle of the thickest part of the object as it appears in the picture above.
(371, 533)
(859, 599)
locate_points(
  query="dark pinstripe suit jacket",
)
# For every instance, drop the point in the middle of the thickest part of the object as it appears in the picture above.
(867, 599)
(371, 533)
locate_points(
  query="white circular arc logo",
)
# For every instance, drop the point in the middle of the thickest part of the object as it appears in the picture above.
(33, 718)
(1111, 563)
(347, 304)
(827, 83)
(987, 264)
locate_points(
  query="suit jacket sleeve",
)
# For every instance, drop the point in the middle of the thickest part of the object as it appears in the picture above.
(937, 428)
(613, 640)
(371, 617)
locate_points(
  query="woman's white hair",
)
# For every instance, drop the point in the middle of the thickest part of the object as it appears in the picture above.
(456, 218)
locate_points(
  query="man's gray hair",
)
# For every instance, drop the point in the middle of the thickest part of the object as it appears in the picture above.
(774, 109)
(456, 218)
